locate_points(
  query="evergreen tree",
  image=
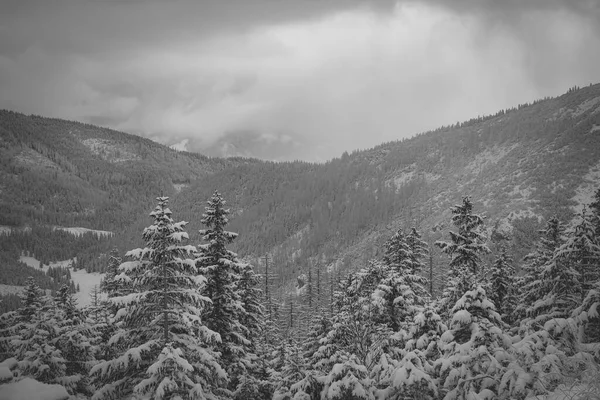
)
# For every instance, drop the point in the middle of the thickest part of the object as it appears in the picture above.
(52, 345)
(75, 341)
(419, 251)
(348, 380)
(411, 379)
(293, 370)
(530, 283)
(464, 248)
(222, 270)
(581, 251)
(36, 351)
(160, 322)
(405, 256)
(424, 333)
(250, 296)
(110, 285)
(502, 290)
(595, 209)
(558, 289)
(475, 349)
(320, 327)
(31, 300)
(588, 315)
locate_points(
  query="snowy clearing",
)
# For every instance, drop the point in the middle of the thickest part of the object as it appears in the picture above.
(9, 229)
(491, 156)
(586, 105)
(78, 231)
(109, 150)
(86, 284)
(85, 280)
(179, 186)
(29, 389)
(10, 289)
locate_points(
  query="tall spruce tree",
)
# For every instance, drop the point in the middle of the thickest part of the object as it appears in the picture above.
(222, 270)
(595, 209)
(164, 347)
(529, 283)
(465, 248)
(581, 251)
(110, 285)
(502, 286)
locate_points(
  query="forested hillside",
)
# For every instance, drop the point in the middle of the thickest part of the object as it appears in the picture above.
(522, 165)
(178, 320)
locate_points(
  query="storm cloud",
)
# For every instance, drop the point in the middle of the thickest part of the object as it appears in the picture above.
(305, 79)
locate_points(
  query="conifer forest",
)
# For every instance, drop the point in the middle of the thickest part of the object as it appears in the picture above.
(300, 200)
(181, 320)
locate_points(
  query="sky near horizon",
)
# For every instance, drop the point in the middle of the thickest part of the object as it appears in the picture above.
(289, 79)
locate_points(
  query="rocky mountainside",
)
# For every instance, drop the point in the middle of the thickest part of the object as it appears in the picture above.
(519, 166)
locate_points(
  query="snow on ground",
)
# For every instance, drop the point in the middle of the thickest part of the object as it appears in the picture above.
(404, 177)
(78, 231)
(30, 389)
(10, 289)
(562, 392)
(109, 150)
(586, 105)
(86, 283)
(9, 229)
(5, 369)
(85, 280)
(179, 186)
(584, 194)
(489, 156)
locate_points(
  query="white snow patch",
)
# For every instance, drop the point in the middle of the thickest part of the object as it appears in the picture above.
(586, 105)
(398, 181)
(86, 280)
(505, 226)
(584, 194)
(5, 229)
(595, 128)
(30, 157)
(528, 212)
(520, 192)
(30, 389)
(5, 369)
(78, 231)
(11, 289)
(181, 146)
(109, 150)
(429, 177)
(179, 186)
(489, 156)
(562, 392)
(33, 263)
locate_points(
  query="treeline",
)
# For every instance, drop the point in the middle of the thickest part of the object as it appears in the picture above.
(49, 244)
(380, 332)
(53, 178)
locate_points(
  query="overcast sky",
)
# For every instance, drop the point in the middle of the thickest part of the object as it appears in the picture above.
(303, 79)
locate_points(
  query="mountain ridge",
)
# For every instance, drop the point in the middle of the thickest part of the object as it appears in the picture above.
(519, 165)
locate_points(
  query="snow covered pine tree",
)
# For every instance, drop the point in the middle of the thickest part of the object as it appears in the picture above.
(166, 349)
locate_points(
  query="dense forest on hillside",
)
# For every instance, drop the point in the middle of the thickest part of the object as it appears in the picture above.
(523, 164)
(66, 173)
(178, 318)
